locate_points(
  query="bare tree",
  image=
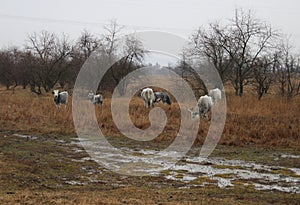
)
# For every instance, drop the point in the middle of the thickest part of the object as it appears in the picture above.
(17, 68)
(287, 70)
(7, 65)
(183, 64)
(134, 53)
(109, 49)
(235, 49)
(210, 44)
(185, 70)
(293, 78)
(51, 53)
(263, 76)
(27, 61)
(123, 59)
(87, 43)
(110, 39)
(249, 40)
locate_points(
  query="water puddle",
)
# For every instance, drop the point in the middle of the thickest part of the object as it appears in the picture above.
(196, 171)
(225, 173)
(26, 136)
(290, 156)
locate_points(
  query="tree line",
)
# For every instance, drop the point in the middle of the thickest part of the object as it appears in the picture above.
(49, 60)
(248, 51)
(245, 51)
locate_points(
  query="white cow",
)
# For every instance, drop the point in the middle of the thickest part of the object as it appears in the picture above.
(60, 97)
(215, 94)
(204, 105)
(148, 96)
(95, 99)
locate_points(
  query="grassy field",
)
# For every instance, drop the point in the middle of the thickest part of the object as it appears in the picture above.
(47, 169)
(273, 121)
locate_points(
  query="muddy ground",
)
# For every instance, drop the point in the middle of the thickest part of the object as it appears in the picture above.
(52, 169)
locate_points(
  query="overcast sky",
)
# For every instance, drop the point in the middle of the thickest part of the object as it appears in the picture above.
(19, 18)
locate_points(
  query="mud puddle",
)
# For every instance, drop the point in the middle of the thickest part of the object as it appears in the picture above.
(194, 171)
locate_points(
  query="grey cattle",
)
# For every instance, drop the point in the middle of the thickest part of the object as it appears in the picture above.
(161, 96)
(95, 99)
(60, 97)
(204, 105)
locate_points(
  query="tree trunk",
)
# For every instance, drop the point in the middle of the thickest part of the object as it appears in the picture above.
(236, 91)
(241, 89)
(241, 83)
(282, 90)
(260, 92)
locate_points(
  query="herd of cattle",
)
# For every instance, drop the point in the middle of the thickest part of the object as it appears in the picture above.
(203, 107)
(62, 98)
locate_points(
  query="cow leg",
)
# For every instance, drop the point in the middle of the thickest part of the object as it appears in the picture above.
(151, 103)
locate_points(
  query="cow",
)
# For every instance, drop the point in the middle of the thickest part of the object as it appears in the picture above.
(215, 94)
(161, 96)
(95, 99)
(148, 96)
(204, 105)
(60, 97)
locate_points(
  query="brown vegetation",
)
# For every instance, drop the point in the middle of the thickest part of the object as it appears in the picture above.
(272, 121)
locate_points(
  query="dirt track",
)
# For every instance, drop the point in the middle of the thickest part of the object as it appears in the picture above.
(56, 169)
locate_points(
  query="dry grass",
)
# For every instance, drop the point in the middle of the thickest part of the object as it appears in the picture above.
(133, 195)
(273, 121)
(26, 112)
(36, 171)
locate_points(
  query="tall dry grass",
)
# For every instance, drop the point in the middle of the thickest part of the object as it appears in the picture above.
(273, 121)
(27, 112)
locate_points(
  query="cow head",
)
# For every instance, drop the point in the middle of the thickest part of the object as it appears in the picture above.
(90, 96)
(55, 95)
(195, 114)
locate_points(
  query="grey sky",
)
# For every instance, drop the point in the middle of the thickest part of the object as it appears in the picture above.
(19, 18)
